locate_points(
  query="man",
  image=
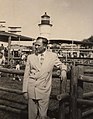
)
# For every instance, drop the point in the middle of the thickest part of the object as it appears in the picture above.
(38, 78)
(2, 59)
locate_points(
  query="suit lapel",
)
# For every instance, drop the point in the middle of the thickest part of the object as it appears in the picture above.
(36, 62)
(45, 60)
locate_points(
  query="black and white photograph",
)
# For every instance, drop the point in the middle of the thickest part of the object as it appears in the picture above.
(46, 59)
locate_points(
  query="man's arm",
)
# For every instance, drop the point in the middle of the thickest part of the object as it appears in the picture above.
(26, 76)
(62, 67)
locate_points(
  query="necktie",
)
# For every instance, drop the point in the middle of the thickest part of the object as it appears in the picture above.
(41, 58)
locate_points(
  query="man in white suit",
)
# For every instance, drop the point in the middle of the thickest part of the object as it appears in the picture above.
(38, 78)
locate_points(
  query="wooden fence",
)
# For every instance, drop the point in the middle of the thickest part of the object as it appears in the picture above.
(79, 99)
(75, 100)
(20, 109)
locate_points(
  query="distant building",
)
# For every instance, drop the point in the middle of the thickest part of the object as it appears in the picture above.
(14, 29)
(2, 26)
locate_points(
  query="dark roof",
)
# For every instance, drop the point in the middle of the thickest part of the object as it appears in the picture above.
(4, 36)
(45, 15)
(14, 27)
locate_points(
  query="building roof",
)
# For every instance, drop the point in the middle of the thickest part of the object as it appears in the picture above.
(45, 15)
(52, 41)
(4, 36)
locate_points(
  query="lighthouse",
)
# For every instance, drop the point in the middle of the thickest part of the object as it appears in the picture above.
(45, 26)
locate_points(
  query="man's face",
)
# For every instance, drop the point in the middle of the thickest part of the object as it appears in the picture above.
(39, 47)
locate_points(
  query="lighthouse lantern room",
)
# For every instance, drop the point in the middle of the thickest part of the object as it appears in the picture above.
(45, 26)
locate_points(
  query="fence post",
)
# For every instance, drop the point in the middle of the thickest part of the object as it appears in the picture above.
(63, 84)
(61, 110)
(80, 92)
(73, 93)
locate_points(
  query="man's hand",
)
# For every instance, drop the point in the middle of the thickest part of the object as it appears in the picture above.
(25, 95)
(63, 81)
(63, 74)
(63, 71)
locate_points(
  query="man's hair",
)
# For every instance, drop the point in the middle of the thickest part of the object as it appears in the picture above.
(44, 40)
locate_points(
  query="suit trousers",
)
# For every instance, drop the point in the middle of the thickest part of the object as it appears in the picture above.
(37, 109)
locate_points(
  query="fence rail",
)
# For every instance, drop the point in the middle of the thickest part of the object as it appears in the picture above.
(77, 92)
(76, 98)
(19, 110)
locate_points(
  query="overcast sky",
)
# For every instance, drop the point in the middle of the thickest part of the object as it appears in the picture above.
(71, 19)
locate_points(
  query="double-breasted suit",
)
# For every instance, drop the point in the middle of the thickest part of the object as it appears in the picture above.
(38, 78)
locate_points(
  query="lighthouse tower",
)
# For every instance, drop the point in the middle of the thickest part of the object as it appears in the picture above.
(45, 26)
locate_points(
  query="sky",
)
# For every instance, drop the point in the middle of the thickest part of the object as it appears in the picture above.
(71, 19)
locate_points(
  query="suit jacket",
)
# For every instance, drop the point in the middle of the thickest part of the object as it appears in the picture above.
(38, 78)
